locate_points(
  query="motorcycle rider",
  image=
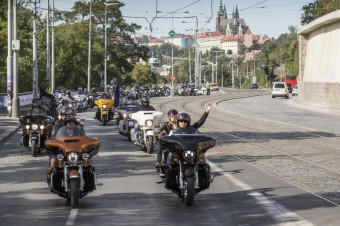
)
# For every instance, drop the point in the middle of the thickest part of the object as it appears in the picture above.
(184, 127)
(63, 113)
(69, 129)
(37, 109)
(145, 106)
(173, 124)
(130, 100)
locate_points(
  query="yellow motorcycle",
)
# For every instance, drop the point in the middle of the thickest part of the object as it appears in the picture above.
(105, 111)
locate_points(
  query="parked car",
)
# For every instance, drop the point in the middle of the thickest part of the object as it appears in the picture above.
(214, 87)
(280, 89)
(253, 86)
(295, 90)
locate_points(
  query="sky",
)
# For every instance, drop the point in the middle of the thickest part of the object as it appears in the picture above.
(270, 17)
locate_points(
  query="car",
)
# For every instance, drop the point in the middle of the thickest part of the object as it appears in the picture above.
(214, 87)
(295, 90)
(280, 89)
(253, 86)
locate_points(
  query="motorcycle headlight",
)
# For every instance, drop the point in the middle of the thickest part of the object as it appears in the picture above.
(124, 115)
(148, 122)
(42, 127)
(60, 157)
(27, 126)
(73, 158)
(35, 126)
(90, 96)
(189, 155)
(79, 99)
(70, 105)
(85, 156)
(104, 106)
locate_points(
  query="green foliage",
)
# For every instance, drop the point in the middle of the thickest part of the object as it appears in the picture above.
(317, 9)
(142, 74)
(71, 45)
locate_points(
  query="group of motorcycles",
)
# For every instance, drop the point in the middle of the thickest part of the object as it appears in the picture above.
(188, 173)
(73, 176)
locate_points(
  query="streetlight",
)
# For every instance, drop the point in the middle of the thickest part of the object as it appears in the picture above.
(172, 44)
(89, 53)
(216, 62)
(232, 62)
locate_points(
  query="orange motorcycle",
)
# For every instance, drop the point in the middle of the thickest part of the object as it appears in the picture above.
(74, 176)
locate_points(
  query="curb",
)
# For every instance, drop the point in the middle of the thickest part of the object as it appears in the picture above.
(2, 140)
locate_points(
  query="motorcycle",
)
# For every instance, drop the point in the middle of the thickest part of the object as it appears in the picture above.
(90, 99)
(73, 178)
(36, 130)
(80, 102)
(126, 124)
(105, 113)
(187, 174)
(146, 137)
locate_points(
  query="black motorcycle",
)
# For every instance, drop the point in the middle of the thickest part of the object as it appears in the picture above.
(36, 130)
(187, 174)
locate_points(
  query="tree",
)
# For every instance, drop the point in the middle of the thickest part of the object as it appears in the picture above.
(317, 9)
(142, 74)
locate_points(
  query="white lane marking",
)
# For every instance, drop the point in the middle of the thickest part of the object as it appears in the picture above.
(72, 217)
(277, 212)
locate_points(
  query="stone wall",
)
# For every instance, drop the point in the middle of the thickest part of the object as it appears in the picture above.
(319, 61)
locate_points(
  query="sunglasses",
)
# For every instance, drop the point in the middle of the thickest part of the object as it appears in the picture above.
(183, 121)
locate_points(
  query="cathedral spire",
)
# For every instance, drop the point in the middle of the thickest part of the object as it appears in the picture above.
(237, 16)
(225, 12)
(221, 7)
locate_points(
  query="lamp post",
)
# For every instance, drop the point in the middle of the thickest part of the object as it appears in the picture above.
(254, 71)
(89, 52)
(216, 52)
(232, 74)
(172, 45)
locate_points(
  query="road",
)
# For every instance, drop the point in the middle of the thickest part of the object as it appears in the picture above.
(268, 171)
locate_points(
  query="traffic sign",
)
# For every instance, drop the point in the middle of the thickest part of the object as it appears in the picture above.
(173, 78)
(172, 33)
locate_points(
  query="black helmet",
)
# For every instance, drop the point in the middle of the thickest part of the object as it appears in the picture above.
(183, 117)
(36, 103)
(145, 101)
(65, 102)
(172, 112)
(71, 118)
(66, 110)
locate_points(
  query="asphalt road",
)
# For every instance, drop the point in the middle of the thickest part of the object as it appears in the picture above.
(242, 194)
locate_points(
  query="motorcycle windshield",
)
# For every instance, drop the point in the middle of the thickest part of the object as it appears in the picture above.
(177, 143)
(33, 119)
(73, 144)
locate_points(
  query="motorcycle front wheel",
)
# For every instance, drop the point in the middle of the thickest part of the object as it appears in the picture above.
(34, 148)
(149, 145)
(74, 192)
(190, 191)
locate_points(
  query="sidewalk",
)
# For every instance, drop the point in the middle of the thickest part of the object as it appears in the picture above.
(8, 126)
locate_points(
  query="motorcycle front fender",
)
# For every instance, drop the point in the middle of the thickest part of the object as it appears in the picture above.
(73, 173)
(189, 173)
